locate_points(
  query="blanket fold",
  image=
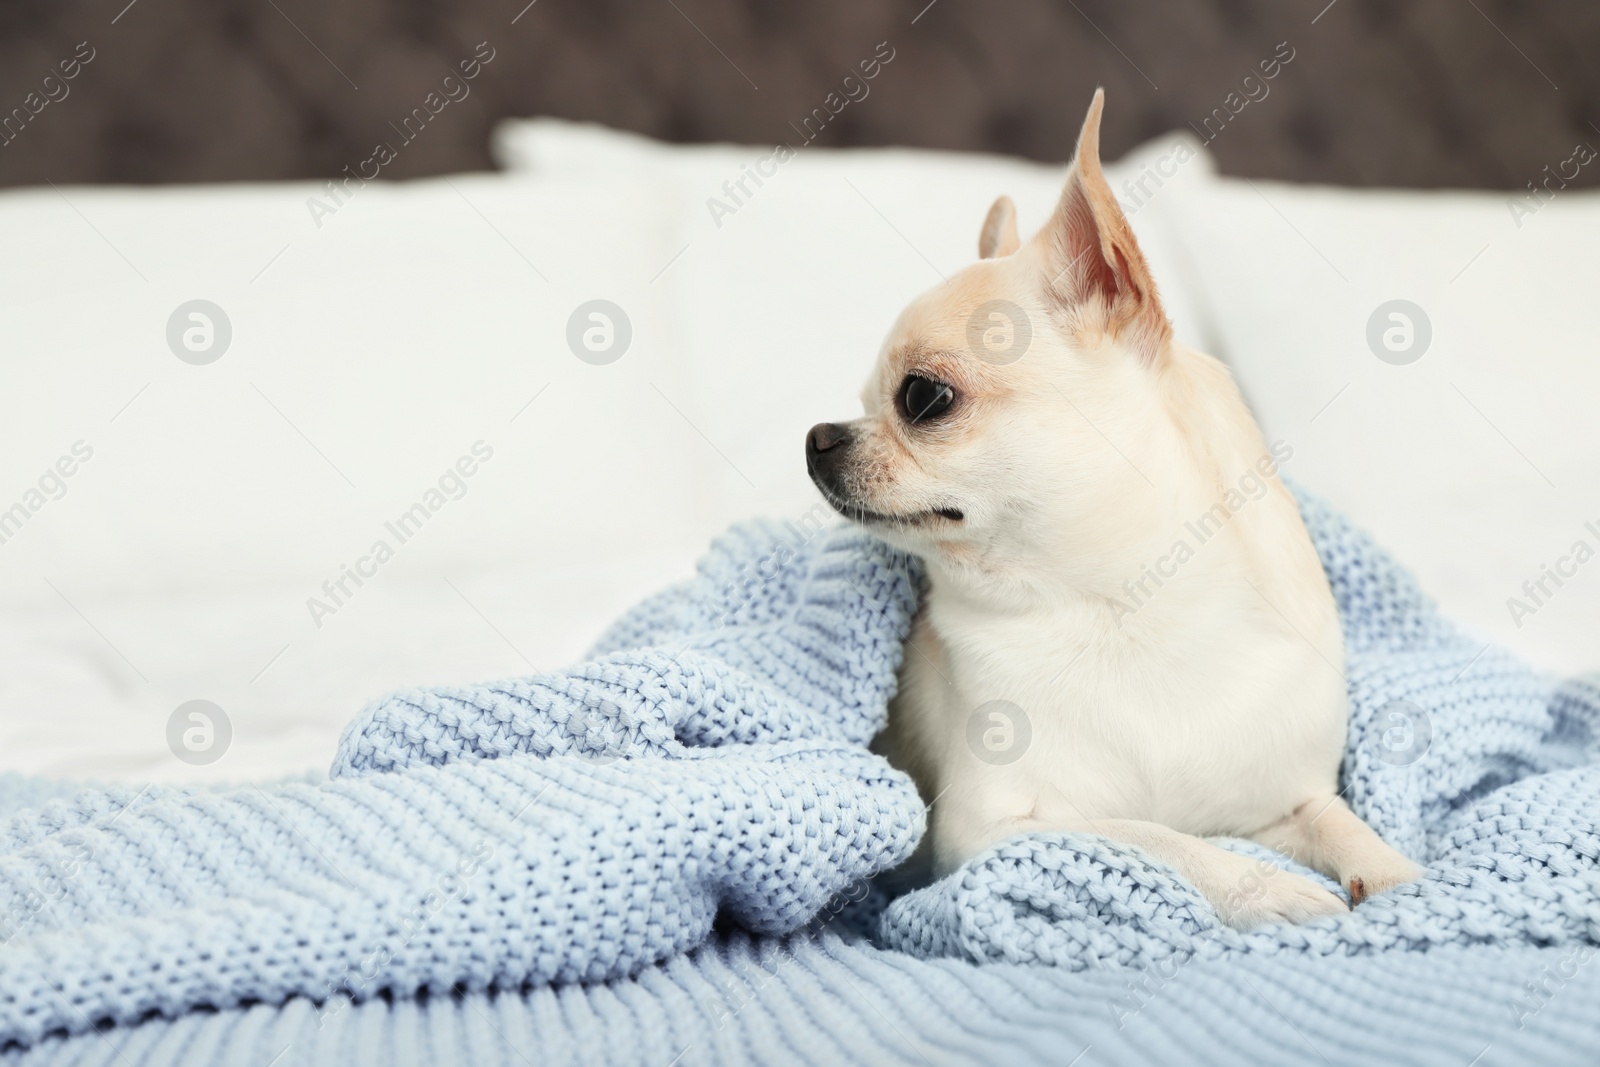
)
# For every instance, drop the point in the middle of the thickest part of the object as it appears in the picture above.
(710, 759)
(573, 827)
(1459, 755)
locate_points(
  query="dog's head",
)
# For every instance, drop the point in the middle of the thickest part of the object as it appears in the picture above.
(1009, 403)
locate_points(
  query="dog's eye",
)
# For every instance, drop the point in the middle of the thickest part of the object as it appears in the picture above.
(923, 399)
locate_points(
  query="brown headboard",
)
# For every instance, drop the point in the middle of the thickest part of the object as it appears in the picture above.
(1459, 93)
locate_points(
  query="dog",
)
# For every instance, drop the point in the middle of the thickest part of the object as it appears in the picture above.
(1054, 681)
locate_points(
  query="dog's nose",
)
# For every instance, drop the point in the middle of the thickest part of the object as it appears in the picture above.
(825, 436)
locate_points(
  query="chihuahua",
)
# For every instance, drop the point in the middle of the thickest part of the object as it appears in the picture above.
(1037, 437)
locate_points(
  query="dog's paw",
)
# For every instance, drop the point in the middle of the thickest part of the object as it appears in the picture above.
(1379, 877)
(1278, 897)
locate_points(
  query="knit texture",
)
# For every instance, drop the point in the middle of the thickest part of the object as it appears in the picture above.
(709, 761)
(479, 844)
(1459, 756)
(819, 1000)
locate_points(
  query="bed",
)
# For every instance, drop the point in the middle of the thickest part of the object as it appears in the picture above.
(382, 340)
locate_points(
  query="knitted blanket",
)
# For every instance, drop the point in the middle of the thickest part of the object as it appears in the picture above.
(710, 760)
(1459, 755)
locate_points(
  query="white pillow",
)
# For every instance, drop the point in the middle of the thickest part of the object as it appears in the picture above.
(1476, 463)
(180, 559)
(378, 347)
(1242, 271)
(786, 288)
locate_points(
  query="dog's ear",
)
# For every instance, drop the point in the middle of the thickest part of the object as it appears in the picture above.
(1091, 253)
(999, 234)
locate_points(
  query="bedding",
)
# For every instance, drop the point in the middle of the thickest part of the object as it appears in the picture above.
(371, 349)
(828, 999)
(412, 323)
(1472, 457)
(369, 353)
(706, 772)
(378, 348)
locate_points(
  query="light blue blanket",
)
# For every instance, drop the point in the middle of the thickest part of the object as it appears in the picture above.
(710, 761)
(1459, 755)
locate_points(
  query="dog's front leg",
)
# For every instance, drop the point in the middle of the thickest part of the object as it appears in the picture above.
(1325, 834)
(1243, 891)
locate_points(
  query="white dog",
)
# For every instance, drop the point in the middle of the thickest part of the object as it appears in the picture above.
(1127, 631)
